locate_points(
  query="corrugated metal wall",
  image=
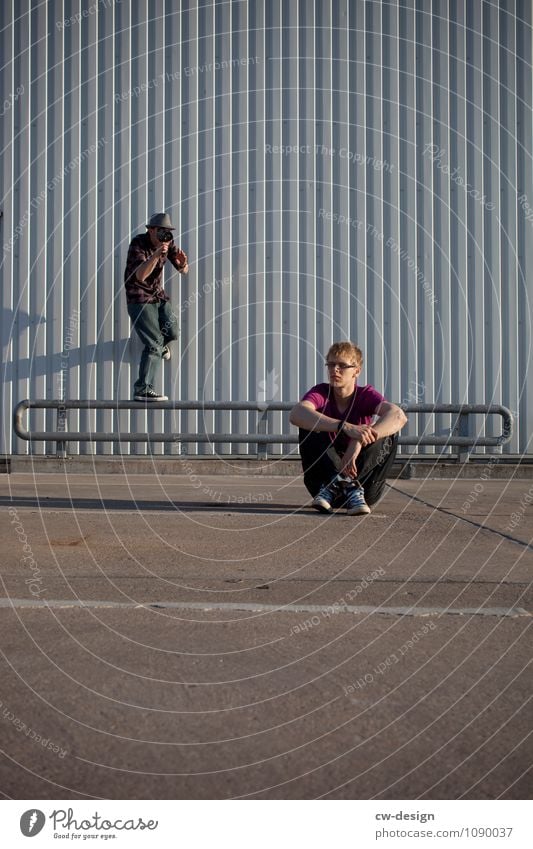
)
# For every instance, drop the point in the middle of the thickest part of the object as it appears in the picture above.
(335, 169)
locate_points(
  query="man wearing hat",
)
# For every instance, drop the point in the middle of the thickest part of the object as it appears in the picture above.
(149, 306)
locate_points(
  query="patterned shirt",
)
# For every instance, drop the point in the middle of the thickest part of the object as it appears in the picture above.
(149, 291)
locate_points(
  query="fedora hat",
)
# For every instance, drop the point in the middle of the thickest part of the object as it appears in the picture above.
(161, 219)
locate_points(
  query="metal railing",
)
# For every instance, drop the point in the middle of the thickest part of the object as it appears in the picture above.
(460, 434)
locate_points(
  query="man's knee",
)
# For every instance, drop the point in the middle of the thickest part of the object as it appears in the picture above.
(154, 348)
(379, 453)
(172, 335)
(168, 322)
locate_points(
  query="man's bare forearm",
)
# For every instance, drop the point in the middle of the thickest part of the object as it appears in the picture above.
(308, 419)
(145, 268)
(391, 422)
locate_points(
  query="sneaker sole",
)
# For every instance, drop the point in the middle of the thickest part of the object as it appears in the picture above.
(358, 511)
(149, 400)
(322, 505)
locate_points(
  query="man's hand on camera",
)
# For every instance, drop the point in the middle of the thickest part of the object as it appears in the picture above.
(162, 250)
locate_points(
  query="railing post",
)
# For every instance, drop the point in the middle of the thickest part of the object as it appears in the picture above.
(61, 444)
(463, 430)
(262, 428)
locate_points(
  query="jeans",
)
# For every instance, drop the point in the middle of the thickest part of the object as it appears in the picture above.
(156, 326)
(373, 463)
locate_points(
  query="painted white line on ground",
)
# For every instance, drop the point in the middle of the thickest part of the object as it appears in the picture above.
(512, 612)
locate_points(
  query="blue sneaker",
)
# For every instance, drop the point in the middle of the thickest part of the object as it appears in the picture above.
(323, 501)
(327, 494)
(355, 502)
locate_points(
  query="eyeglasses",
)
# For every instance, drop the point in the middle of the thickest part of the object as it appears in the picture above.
(340, 366)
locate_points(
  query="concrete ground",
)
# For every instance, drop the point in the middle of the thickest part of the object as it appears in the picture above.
(203, 636)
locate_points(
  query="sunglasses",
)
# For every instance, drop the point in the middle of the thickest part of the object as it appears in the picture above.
(340, 366)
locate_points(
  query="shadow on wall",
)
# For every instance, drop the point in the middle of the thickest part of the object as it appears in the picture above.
(56, 366)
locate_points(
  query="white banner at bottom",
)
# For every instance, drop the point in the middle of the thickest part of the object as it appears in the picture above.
(263, 824)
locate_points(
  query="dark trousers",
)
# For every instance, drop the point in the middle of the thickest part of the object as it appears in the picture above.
(373, 463)
(156, 325)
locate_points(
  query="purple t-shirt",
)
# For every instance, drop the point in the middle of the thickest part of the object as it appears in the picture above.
(363, 406)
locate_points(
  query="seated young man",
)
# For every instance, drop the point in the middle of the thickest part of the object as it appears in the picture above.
(346, 455)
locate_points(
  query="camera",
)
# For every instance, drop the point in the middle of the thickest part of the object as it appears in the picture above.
(164, 235)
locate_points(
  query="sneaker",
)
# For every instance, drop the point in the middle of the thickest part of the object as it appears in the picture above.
(149, 394)
(325, 497)
(355, 502)
(165, 353)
